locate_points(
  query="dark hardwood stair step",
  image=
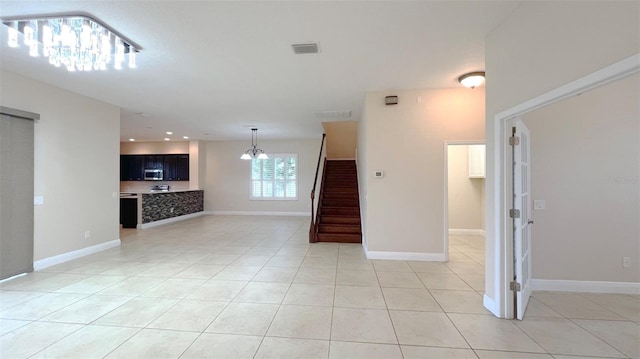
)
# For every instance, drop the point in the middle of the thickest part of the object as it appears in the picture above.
(340, 184)
(327, 219)
(343, 177)
(340, 211)
(340, 202)
(339, 228)
(339, 238)
(341, 195)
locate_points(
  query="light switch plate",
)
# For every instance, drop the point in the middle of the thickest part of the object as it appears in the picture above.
(538, 204)
(378, 174)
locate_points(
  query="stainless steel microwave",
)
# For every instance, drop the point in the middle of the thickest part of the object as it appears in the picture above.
(153, 175)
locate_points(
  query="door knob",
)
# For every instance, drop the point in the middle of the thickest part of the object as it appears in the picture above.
(530, 221)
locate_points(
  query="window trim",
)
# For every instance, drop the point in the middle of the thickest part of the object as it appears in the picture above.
(272, 157)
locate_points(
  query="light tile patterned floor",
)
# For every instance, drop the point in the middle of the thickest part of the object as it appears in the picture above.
(252, 287)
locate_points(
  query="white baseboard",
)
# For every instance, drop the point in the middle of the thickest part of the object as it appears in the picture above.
(258, 213)
(341, 159)
(405, 256)
(169, 220)
(585, 286)
(467, 232)
(65, 257)
(490, 304)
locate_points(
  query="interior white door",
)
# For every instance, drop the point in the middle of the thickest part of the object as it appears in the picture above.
(521, 215)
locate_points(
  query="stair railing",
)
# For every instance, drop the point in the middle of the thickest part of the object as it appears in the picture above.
(313, 228)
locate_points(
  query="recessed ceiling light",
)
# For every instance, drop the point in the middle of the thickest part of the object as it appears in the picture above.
(169, 133)
(185, 137)
(132, 139)
(167, 139)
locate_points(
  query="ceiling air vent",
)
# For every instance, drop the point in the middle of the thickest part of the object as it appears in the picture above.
(310, 48)
(333, 114)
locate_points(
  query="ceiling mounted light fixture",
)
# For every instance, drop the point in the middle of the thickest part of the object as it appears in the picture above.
(77, 41)
(254, 150)
(472, 79)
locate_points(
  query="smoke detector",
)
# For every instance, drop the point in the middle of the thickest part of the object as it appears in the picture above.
(306, 48)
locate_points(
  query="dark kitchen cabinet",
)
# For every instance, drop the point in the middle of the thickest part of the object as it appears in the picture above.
(183, 168)
(153, 162)
(129, 212)
(176, 167)
(132, 167)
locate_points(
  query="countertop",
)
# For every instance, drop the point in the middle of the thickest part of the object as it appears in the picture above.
(135, 194)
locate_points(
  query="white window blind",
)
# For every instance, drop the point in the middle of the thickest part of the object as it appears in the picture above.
(275, 178)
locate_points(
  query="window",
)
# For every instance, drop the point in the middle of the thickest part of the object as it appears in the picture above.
(275, 178)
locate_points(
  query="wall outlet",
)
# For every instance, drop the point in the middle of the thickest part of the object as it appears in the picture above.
(538, 204)
(87, 234)
(626, 262)
(38, 200)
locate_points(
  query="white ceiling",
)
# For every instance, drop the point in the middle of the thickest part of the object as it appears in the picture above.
(210, 70)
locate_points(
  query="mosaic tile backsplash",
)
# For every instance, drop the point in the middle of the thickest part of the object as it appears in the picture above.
(157, 206)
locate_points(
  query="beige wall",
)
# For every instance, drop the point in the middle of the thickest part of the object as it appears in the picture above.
(540, 47)
(404, 211)
(585, 163)
(342, 139)
(154, 148)
(76, 164)
(227, 185)
(466, 195)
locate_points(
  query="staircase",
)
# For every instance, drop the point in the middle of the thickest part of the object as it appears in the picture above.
(339, 207)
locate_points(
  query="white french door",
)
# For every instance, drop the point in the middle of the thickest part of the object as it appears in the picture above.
(520, 213)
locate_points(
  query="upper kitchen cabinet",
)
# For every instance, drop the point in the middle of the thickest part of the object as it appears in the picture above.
(477, 161)
(153, 162)
(176, 167)
(132, 167)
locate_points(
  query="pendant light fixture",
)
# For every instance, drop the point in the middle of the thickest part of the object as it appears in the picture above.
(76, 41)
(472, 79)
(254, 150)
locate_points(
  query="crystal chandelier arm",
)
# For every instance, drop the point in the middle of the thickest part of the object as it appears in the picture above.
(8, 19)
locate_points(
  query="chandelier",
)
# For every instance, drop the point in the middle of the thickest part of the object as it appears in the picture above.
(75, 41)
(254, 150)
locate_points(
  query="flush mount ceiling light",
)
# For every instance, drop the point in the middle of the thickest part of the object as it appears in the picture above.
(254, 150)
(77, 41)
(472, 79)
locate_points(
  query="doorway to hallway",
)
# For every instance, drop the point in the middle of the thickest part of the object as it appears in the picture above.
(464, 211)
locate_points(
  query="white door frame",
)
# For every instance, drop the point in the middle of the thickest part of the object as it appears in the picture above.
(502, 304)
(446, 188)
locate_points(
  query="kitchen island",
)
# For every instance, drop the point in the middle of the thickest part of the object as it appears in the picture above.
(154, 208)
